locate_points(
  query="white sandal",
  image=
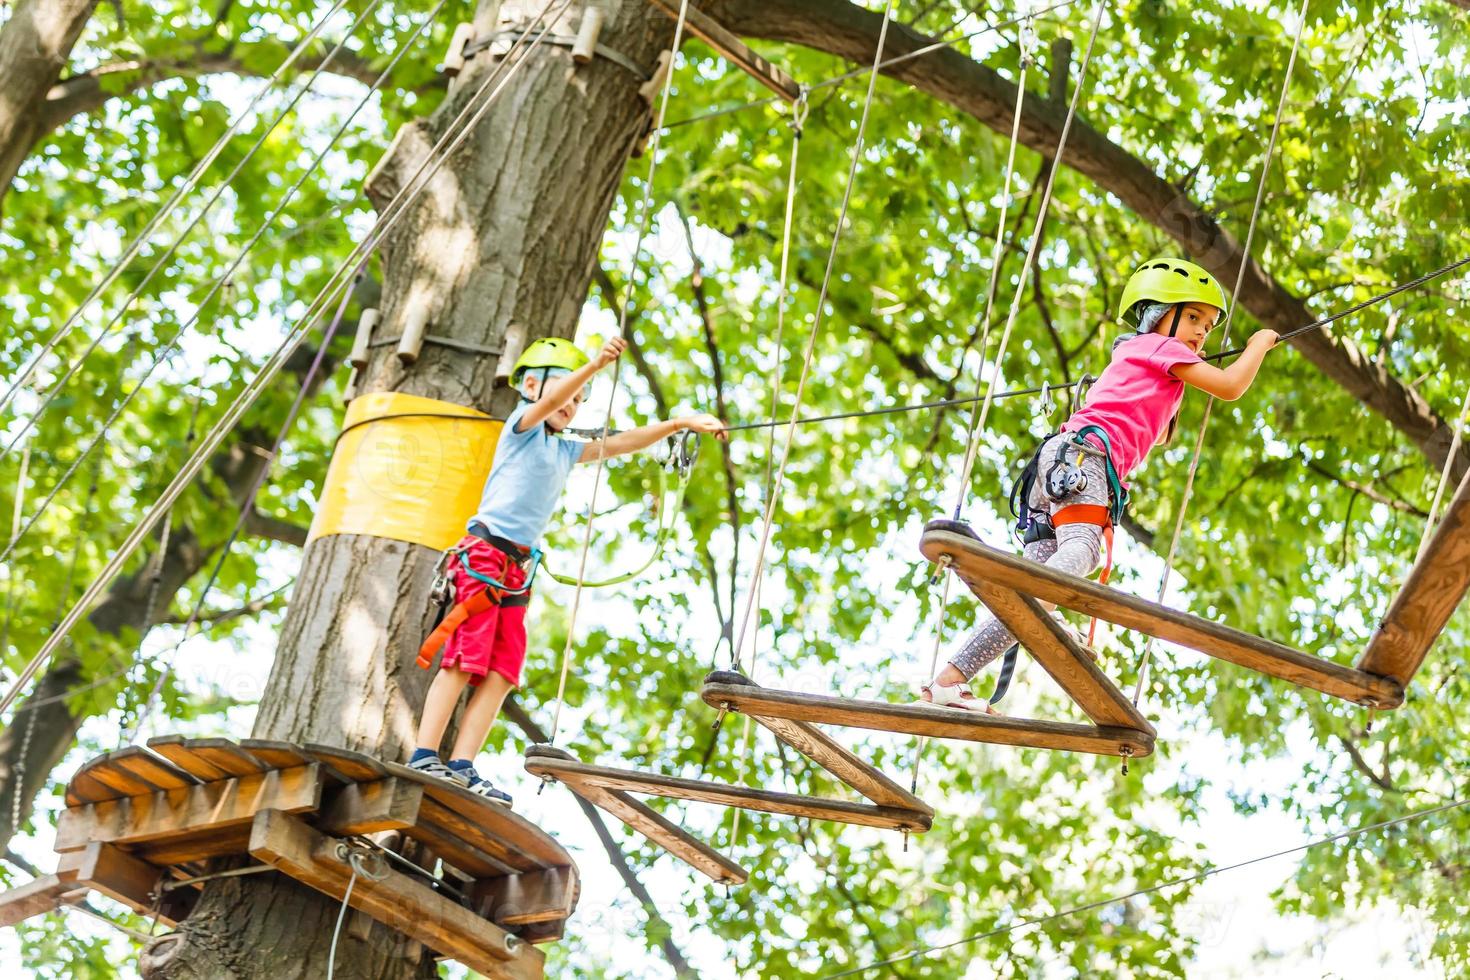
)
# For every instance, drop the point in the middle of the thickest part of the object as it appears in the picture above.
(1077, 635)
(958, 696)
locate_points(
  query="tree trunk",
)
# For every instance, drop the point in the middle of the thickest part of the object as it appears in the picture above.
(501, 246)
(34, 46)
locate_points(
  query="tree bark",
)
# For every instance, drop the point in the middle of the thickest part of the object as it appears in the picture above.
(499, 250)
(848, 31)
(34, 46)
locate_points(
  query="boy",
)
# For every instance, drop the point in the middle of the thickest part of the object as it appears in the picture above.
(531, 465)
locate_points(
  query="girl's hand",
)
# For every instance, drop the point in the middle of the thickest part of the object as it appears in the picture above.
(610, 352)
(705, 423)
(1270, 338)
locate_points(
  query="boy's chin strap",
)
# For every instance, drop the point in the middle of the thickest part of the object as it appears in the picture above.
(1178, 314)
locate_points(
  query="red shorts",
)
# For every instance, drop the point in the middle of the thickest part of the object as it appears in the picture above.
(494, 640)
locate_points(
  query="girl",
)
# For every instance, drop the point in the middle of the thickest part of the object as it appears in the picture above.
(1172, 306)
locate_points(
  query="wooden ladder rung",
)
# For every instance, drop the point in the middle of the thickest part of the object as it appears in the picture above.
(1434, 589)
(819, 747)
(979, 565)
(929, 721)
(1058, 653)
(732, 49)
(653, 825)
(721, 794)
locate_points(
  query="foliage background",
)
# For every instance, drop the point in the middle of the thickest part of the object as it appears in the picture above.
(1307, 511)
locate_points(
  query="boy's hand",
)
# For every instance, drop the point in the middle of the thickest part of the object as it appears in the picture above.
(610, 352)
(705, 423)
(1270, 338)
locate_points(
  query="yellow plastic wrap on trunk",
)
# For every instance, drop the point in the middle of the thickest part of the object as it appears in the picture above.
(411, 479)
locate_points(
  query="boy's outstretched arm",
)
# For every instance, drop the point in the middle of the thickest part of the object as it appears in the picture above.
(645, 436)
(1230, 383)
(559, 392)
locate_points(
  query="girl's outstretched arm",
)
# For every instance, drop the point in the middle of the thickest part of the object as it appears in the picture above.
(1228, 384)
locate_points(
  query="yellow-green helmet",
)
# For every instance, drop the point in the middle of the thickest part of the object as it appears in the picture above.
(547, 353)
(1165, 280)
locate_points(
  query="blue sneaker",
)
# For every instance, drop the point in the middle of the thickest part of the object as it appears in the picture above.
(488, 790)
(431, 765)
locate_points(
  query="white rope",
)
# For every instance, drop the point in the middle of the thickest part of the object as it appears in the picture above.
(454, 136)
(798, 122)
(1245, 258)
(190, 182)
(1444, 477)
(978, 420)
(811, 344)
(645, 222)
(76, 363)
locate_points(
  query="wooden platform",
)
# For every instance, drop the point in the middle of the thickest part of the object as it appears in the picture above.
(610, 789)
(1434, 589)
(1004, 582)
(726, 689)
(140, 817)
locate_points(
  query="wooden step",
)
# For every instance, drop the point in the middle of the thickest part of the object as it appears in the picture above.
(928, 721)
(981, 566)
(1434, 589)
(820, 747)
(766, 801)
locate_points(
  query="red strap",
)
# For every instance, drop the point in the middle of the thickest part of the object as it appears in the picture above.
(476, 604)
(1099, 515)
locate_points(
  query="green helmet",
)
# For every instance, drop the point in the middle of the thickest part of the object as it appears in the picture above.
(1171, 281)
(548, 352)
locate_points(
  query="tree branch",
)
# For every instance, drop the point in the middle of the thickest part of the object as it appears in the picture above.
(1363, 489)
(259, 525)
(848, 31)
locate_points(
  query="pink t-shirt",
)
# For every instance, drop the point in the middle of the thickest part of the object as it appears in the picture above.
(1135, 397)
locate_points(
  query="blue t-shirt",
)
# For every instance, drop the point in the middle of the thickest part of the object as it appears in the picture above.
(526, 478)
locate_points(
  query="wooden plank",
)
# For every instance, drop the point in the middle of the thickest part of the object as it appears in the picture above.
(545, 895)
(174, 749)
(653, 825)
(1059, 654)
(978, 563)
(459, 857)
(36, 897)
(120, 876)
(353, 765)
(173, 851)
(198, 811)
(461, 843)
(367, 808)
(398, 901)
(86, 788)
(579, 774)
(283, 755)
(928, 721)
(822, 749)
(157, 772)
(513, 831)
(226, 756)
(734, 50)
(115, 783)
(1434, 589)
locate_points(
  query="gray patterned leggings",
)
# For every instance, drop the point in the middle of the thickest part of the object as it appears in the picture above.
(1076, 551)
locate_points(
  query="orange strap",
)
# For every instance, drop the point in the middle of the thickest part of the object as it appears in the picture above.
(476, 604)
(1096, 514)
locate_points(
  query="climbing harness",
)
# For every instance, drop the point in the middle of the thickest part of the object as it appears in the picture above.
(1063, 478)
(683, 454)
(982, 410)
